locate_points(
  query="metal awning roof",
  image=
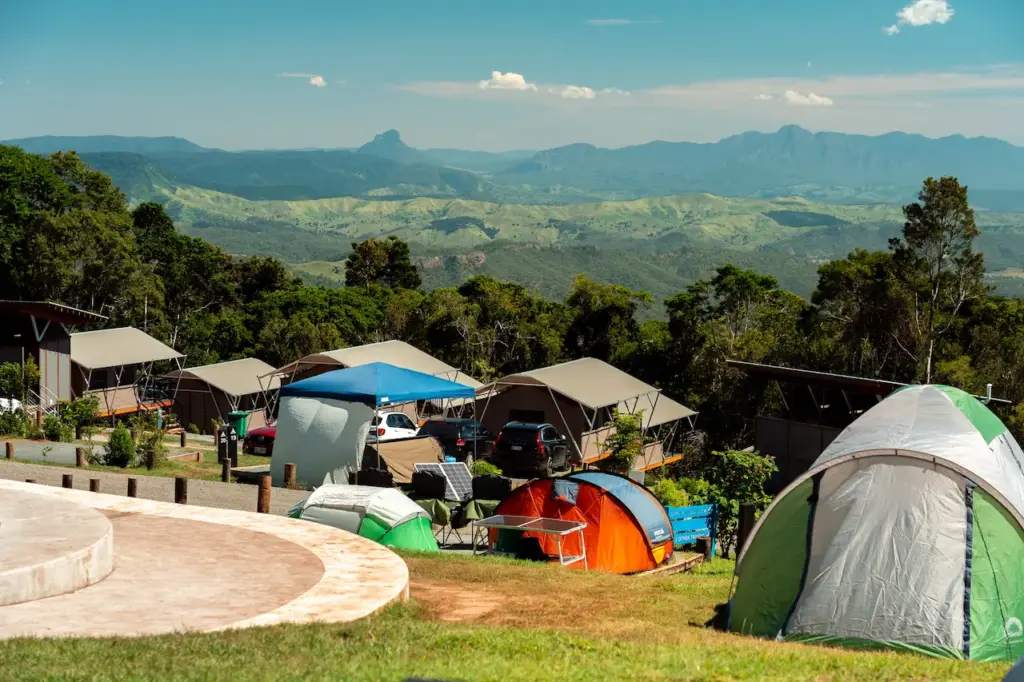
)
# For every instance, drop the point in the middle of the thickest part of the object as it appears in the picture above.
(397, 353)
(48, 310)
(118, 347)
(235, 377)
(838, 382)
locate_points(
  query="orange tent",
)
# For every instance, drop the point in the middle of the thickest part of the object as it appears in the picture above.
(627, 528)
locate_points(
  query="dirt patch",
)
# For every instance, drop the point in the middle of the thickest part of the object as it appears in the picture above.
(452, 602)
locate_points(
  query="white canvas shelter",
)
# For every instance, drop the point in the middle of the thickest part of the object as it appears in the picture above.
(906, 533)
(212, 391)
(323, 437)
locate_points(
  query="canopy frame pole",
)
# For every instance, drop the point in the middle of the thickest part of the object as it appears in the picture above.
(177, 384)
(782, 394)
(565, 423)
(216, 405)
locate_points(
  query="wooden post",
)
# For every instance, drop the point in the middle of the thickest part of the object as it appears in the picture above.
(150, 458)
(745, 526)
(133, 487)
(183, 438)
(289, 475)
(180, 490)
(94, 485)
(704, 547)
(10, 450)
(67, 481)
(225, 471)
(30, 480)
(263, 498)
(80, 458)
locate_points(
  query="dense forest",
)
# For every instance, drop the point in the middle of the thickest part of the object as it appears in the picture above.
(918, 311)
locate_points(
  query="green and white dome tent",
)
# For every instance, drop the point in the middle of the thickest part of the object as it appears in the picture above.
(905, 533)
(384, 515)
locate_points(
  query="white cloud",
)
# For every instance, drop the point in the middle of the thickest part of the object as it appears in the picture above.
(621, 22)
(764, 98)
(578, 92)
(808, 100)
(506, 81)
(921, 13)
(316, 80)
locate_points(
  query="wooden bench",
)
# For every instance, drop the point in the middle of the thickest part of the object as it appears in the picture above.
(690, 523)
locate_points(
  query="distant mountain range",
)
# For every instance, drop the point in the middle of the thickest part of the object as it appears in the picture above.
(833, 167)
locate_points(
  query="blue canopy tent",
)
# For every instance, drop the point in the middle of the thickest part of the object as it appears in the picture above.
(377, 384)
(323, 421)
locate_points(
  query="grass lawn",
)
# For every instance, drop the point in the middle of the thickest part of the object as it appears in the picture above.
(477, 618)
(208, 470)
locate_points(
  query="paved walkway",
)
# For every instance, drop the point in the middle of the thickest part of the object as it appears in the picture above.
(201, 493)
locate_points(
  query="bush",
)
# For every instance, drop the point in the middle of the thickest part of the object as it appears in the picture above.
(55, 429)
(483, 468)
(14, 423)
(625, 445)
(120, 449)
(192, 428)
(734, 478)
(670, 494)
(81, 412)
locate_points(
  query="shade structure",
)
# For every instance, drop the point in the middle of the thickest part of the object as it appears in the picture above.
(627, 529)
(377, 384)
(906, 533)
(384, 515)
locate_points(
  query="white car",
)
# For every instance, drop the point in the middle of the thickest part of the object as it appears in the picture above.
(391, 426)
(11, 404)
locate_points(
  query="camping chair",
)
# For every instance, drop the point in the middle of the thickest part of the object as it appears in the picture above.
(489, 491)
(428, 491)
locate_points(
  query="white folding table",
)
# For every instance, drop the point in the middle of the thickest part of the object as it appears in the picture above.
(558, 528)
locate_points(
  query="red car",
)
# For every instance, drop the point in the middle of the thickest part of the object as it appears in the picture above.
(260, 441)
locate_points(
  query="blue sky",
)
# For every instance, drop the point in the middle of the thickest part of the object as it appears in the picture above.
(610, 73)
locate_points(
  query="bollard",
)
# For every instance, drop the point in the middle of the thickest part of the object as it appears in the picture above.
(94, 485)
(182, 439)
(704, 547)
(30, 480)
(133, 487)
(263, 496)
(746, 525)
(67, 481)
(289, 475)
(180, 490)
(80, 457)
(225, 471)
(10, 450)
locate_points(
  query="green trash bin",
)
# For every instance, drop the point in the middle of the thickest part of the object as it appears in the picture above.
(239, 420)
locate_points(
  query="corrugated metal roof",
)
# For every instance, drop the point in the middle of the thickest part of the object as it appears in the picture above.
(397, 353)
(235, 377)
(117, 347)
(590, 382)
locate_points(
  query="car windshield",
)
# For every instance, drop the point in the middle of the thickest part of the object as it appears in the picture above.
(519, 434)
(437, 427)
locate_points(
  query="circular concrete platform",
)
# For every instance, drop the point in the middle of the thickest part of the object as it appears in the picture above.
(50, 546)
(184, 568)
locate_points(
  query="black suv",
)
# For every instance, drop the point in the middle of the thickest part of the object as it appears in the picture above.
(463, 439)
(535, 448)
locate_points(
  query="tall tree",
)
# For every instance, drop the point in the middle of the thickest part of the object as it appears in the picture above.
(384, 262)
(937, 261)
(603, 319)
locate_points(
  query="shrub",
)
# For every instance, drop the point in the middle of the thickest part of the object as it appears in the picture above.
(14, 423)
(192, 428)
(625, 445)
(120, 449)
(670, 494)
(483, 468)
(81, 412)
(734, 478)
(55, 429)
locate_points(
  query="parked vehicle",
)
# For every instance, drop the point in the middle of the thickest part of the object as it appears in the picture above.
(534, 448)
(390, 426)
(464, 439)
(260, 441)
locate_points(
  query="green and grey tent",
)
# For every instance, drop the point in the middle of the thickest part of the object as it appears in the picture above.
(383, 515)
(906, 533)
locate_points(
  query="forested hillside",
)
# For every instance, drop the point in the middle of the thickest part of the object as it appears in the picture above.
(916, 311)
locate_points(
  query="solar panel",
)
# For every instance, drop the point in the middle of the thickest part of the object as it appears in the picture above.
(458, 480)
